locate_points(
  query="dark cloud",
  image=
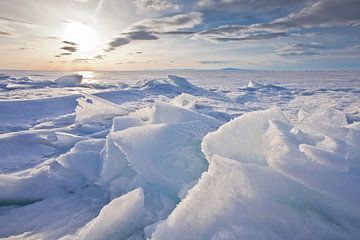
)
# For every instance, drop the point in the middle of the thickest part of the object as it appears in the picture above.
(319, 13)
(323, 13)
(120, 41)
(141, 35)
(25, 48)
(82, 60)
(117, 42)
(129, 37)
(214, 62)
(69, 49)
(6, 34)
(150, 29)
(53, 38)
(100, 56)
(177, 33)
(63, 54)
(70, 43)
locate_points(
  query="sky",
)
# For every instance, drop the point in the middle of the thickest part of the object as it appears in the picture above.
(111, 35)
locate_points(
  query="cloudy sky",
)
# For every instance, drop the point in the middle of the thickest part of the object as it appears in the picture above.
(168, 34)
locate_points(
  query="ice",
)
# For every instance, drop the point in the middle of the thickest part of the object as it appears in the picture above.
(184, 100)
(166, 155)
(69, 80)
(113, 161)
(65, 141)
(47, 180)
(119, 219)
(25, 149)
(124, 122)
(280, 146)
(17, 115)
(92, 109)
(168, 113)
(84, 158)
(253, 84)
(241, 138)
(325, 158)
(325, 117)
(193, 157)
(172, 85)
(250, 201)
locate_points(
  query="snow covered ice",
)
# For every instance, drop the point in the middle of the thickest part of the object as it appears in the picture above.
(266, 155)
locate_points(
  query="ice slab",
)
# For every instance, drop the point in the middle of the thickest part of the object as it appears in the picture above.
(92, 109)
(26, 149)
(113, 161)
(69, 80)
(84, 159)
(282, 153)
(29, 186)
(168, 113)
(241, 138)
(184, 100)
(124, 122)
(236, 200)
(119, 219)
(166, 155)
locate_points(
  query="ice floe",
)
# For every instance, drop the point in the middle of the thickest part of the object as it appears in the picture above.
(166, 159)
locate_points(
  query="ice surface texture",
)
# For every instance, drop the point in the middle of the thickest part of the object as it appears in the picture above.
(166, 159)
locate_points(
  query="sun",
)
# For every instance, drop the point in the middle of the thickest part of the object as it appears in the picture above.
(82, 34)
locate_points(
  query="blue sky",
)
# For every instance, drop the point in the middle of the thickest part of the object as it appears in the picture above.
(163, 34)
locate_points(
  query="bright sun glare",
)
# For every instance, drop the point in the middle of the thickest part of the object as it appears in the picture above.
(83, 35)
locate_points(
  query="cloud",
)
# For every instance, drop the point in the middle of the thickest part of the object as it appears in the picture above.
(69, 43)
(63, 54)
(82, 60)
(318, 13)
(150, 29)
(323, 13)
(16, 21)
(134, 62)
(227, 33)
(156, 5)
(25, 48)
(129, 37)
(300, 49)
(246, 5)
(6, 34)
(117, 42)
(141, 35)
(215, 62)
(99, 56)
(170, 23)
(69, 49)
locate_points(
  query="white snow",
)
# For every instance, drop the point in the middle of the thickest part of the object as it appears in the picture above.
(92, 109)
(195, 157)
(241, 138)
(69, 80)
(119, 219)
(166, 155)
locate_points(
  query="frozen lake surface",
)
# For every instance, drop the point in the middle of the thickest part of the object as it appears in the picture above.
(180, 154)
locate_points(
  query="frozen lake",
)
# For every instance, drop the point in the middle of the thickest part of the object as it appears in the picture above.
(180, 154)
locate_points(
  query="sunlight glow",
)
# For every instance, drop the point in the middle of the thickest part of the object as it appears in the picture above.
(83, 35)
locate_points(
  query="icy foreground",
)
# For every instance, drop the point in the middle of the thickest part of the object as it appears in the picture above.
(162, 160)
